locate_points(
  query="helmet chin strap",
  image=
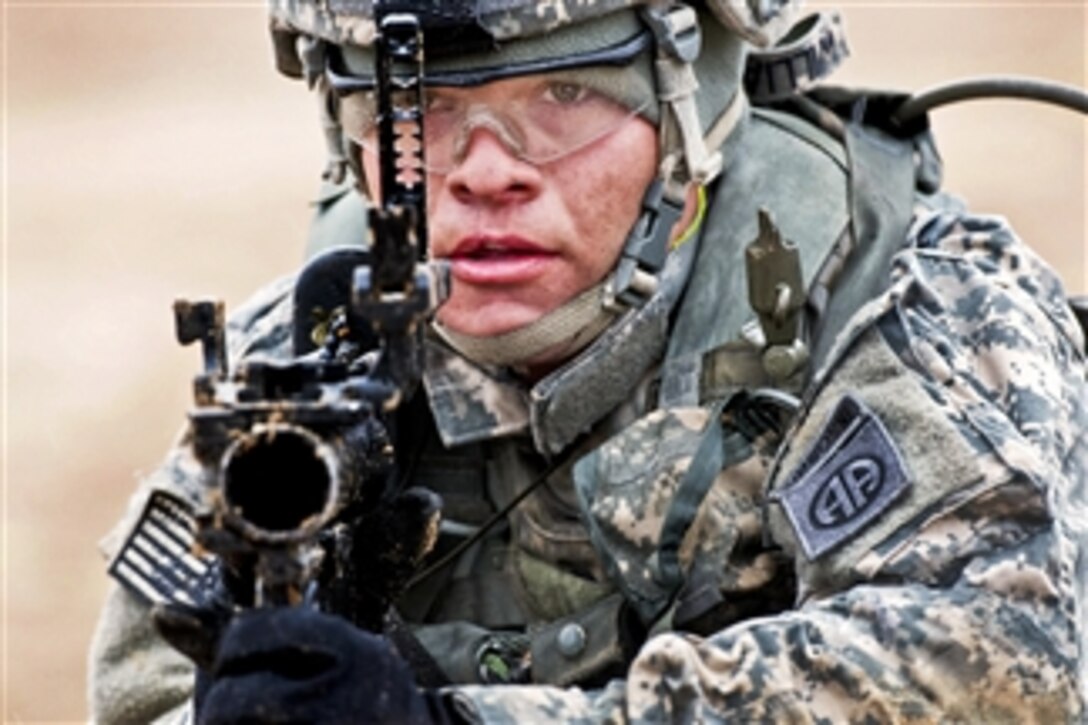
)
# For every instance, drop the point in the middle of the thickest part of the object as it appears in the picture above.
(565, 331)
(560, 333)
(685, 156)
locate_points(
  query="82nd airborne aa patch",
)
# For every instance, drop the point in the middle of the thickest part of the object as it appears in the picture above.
(850, 475)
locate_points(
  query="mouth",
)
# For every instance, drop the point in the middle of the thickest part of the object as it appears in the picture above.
(499, 260)
(488, 246)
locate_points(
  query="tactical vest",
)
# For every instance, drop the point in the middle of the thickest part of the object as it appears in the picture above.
(552, 593)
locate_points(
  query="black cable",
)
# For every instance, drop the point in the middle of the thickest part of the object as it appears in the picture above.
(969, 89)
(477, 535)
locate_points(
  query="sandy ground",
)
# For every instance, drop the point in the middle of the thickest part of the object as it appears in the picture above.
(151, 152)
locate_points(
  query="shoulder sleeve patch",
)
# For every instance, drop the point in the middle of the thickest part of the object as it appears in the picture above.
(159, 561)
(851, 474)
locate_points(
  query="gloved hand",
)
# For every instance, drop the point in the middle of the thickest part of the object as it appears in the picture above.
(298, 665)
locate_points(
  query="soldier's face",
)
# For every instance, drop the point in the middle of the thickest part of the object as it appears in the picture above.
(524, 236)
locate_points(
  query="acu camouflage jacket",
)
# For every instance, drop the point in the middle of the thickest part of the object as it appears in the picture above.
(910, 549)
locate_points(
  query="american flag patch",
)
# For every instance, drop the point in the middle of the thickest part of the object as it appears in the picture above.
(157, 562)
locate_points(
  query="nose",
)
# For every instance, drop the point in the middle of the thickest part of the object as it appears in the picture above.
(488, 170)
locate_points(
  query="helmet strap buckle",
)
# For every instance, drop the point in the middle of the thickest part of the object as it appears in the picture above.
(643, 256)
(676, 30)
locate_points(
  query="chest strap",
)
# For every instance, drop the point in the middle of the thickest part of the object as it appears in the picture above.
(726, 441)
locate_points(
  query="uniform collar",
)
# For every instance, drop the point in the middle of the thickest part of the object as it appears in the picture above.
(471, 403)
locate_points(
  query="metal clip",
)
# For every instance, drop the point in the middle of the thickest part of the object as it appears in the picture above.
(776, 293)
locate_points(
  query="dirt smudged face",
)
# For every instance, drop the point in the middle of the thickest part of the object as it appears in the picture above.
(526, 237)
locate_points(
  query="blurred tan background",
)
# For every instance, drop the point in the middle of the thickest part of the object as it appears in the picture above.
(152, 152)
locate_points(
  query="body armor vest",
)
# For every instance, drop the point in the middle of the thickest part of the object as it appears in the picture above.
(538, 582)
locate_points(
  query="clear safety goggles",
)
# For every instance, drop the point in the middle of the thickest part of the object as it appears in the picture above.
(562, 110)
(542, 118)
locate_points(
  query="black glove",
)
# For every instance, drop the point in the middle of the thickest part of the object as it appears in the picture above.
(297, 665)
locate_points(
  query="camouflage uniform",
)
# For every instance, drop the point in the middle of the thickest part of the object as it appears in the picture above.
(784, 584)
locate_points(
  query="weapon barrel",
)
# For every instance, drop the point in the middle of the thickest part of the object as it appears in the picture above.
(280, 483)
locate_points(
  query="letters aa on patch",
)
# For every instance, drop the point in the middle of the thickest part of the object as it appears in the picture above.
(851, 475)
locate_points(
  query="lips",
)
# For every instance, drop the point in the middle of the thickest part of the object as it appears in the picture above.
(485, 259)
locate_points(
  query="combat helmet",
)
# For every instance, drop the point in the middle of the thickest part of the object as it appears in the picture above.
(689, 55)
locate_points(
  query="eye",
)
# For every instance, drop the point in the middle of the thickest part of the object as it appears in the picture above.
(566, 92)
(439, 103)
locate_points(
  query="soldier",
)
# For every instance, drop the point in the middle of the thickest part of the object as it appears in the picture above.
(839, 478)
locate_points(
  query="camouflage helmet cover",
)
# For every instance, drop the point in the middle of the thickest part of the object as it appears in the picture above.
(761, 22)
